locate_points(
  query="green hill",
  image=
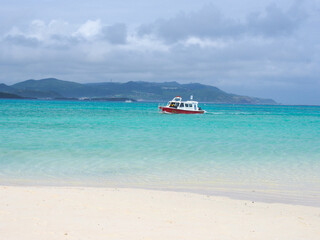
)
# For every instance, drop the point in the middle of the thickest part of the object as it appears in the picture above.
(9, 95)
(6, 89)
(145, 91)
(54, 88)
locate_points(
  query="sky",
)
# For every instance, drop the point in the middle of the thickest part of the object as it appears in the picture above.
(265, 48)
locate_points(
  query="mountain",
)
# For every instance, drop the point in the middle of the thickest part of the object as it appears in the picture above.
(54, 88)
(146, 91)
(6, 89)
(9, 95)
(166, 91)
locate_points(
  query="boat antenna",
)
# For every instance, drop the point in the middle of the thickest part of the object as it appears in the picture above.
(191, 97)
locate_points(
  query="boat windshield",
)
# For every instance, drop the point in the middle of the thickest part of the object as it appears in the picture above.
(174, 104)
(177, 99)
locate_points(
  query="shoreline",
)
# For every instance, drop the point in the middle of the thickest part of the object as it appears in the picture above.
(263, 195)
(165, 101)
(43, 212)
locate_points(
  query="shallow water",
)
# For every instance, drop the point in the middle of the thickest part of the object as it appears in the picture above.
(273, 151)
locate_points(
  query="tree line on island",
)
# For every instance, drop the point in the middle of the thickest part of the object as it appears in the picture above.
(51, 88)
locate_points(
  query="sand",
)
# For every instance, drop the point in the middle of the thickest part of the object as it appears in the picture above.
(45, 213)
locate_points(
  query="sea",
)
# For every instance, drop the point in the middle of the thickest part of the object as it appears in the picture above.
(251, 152)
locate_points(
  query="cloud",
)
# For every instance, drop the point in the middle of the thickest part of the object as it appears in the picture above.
(62, 34)
(41, 34)
(89, 30)
(20, 39)
(116, 33)
(274, 21)
(206, 23)
(210, 23)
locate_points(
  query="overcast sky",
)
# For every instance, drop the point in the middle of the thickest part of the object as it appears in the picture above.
(260, 48)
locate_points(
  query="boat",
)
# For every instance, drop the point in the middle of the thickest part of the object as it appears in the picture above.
(176, 105)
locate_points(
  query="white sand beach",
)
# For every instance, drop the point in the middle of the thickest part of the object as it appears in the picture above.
(38, 213)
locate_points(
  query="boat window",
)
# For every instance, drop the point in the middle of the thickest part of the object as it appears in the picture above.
(181, 104)
(174, 104)
(195, 107)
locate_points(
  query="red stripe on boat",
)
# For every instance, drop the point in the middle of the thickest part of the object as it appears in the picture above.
(175, 110)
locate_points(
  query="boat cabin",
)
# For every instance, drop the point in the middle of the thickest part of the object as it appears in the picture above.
(176, 105)
(183, 105)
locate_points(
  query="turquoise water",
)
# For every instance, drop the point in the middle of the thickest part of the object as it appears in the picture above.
(244, 150)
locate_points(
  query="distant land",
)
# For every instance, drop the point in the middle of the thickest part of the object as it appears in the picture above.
(9, 95)
(52, 88)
